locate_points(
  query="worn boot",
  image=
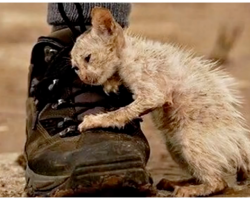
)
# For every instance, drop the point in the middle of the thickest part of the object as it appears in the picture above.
(60, 161)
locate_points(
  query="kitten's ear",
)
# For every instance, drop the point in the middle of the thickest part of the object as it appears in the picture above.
(102, 21)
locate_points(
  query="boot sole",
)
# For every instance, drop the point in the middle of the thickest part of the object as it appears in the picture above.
(107, 180)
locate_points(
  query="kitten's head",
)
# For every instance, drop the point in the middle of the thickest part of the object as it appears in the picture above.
(96, 53)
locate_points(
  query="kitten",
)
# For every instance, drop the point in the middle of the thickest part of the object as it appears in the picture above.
(191, 103)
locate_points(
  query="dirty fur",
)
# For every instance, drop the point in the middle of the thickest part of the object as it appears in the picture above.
(192, 102)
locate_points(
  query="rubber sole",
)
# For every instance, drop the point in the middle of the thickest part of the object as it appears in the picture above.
(112, 182)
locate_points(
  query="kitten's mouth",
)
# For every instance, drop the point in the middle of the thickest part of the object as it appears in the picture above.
(90, 81)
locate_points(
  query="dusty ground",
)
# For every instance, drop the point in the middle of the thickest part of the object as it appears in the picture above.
(193, 25)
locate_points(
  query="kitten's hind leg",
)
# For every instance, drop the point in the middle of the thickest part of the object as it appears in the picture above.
(165, 184)
(203, 189)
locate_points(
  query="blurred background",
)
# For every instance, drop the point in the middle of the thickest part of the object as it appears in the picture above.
(202, 27)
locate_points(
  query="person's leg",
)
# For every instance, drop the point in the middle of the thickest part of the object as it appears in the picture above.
(60, 161)
(120, 11)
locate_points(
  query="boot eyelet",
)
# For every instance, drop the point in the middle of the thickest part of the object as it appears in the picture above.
(54, 106)
(60, 102)
(60, 124)
(53, 85)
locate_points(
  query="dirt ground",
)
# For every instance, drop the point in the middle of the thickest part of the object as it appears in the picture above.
(192, 25)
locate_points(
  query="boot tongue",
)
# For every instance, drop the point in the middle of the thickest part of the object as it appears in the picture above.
(96, 94)
(89, 97)
(64, 35)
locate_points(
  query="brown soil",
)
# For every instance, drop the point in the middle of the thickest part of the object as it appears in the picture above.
(192, 25)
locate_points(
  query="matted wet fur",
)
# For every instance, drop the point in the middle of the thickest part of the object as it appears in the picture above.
(191, 102)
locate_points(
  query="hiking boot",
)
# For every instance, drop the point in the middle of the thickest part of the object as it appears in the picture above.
(61, 161)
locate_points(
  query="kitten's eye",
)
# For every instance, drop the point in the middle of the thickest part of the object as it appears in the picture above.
(87, 58)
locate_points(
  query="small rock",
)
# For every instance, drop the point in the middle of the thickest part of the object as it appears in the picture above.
(4, 128)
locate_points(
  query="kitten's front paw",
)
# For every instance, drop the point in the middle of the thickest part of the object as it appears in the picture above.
(89, 121)
(108, 88)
